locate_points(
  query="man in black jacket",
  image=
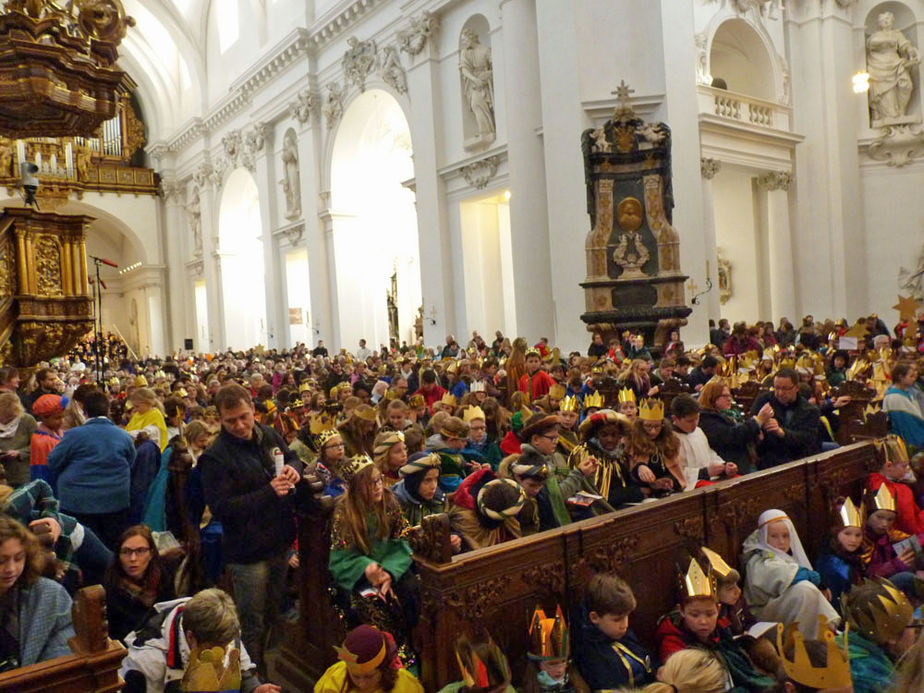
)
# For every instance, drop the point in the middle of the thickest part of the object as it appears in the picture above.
(256, 507)
(792, 433)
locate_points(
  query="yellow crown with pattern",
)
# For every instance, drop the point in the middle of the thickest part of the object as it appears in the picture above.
(320, 423)
(472, 413)
(651, 410)
(533, 351)
(836, 671)
(849, 515)
(627, 395)
(696, 583)
(356, 464)
(557, 391)
(569, 403)
(877, 610)
(212, 669)
(593, 399)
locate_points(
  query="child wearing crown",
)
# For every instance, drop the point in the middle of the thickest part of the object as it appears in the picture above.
(370, 561)
(842, 563)
(654, 451)
(695, 623)
(880, 554)
(880, 619)
(549, 669)
(780, 583)
(895, 472)
(627, 404)
(813, 665)
(483, 666)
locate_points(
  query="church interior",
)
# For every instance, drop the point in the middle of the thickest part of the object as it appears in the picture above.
(263, 231)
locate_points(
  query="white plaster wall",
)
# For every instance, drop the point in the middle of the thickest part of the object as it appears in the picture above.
(736, 235)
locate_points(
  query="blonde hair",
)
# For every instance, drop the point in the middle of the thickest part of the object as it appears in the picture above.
(145, 395)
(692, 671)
(212, 617)
(10, 405)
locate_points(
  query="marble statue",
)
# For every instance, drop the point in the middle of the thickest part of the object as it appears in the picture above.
(889, 59)
(333, 108)
(291, 182)
(477, 82)
(392, 72)
(358, 61)
(193, 211)
(414, 38)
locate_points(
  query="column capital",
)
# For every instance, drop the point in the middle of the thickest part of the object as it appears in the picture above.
(775, 180)
(709, 167)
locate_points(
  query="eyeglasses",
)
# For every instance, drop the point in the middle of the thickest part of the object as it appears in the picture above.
(724, 395)
(550, 436)
(784, 388)
(378, 481)
(334, 445)
(128, 553)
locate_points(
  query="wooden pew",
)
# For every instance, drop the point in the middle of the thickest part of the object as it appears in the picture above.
(496, 589)
(94, 664)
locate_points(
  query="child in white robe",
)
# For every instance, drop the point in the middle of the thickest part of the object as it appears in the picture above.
(780, 584)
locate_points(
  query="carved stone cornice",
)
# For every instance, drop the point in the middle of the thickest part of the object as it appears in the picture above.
(333, 25)
(292, 233)
(171, 190)
(898, 145)
(479, 173)
(206, 175)
(775, 180)
(709, 167)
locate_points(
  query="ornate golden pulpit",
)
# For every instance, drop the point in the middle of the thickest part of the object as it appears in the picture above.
(45, 305)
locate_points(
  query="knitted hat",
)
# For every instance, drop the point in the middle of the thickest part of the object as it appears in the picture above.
(48, 405)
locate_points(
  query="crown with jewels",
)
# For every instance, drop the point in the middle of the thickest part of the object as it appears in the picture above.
(548, 637)
(651, 410)
(569, 403)
(836, 671)
(593, 399)
(627, 395)
(533, 351)
(356, 464)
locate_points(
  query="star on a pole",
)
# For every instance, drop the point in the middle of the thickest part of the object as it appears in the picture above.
(858, 330)
(907, 308)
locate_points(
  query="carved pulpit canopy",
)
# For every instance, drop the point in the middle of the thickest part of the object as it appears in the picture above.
(57, 66)
(633, 259)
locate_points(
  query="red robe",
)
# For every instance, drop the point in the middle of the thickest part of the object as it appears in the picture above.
(537, 386)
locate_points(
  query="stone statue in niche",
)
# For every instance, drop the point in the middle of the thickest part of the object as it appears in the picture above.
(631, 253)
(291, 182)
(477, 82)
(195, 221)
(889, 59)
(725, 285)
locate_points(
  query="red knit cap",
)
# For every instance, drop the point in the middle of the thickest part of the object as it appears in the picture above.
(47, 405)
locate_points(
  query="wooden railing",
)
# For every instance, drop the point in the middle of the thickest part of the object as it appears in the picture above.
(94, 664)
(496, 589)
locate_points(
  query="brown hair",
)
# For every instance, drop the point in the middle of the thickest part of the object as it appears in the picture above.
(711, 392)
(609, 594)
(640, 444)
(357, 503)
(152, 576)
(231, 396)
(35, 555)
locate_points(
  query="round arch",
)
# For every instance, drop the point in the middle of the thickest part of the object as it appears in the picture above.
(376, 245)
(744, 57)
(243, 291)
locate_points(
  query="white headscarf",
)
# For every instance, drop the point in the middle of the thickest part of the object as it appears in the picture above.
(757, 541)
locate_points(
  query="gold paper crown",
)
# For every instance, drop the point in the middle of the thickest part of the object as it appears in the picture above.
(207, 671)
(569, 403)
(836, 671)
(557, 391)
(304, 387)
(716, 562)
(296, 404)
(472, 413)
(480, 674)
(416, 401)
(651, 410)
(448, 399)
(626, 395)
(695, 583)
(356, 464)
(882, 500)
(548, 637)
(884, 615)
(871, 409)
(593, 399)
(849, 515)
(320, 422)
(533, 351)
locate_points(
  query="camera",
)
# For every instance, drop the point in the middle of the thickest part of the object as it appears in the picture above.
(28, 181)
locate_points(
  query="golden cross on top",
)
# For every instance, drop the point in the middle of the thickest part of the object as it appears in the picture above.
(623, 92)
(692, 287)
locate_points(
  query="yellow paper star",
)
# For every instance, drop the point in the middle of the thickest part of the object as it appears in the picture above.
(859, 331)
(907, 308)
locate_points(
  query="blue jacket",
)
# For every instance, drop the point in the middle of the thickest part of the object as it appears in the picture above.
(92, 466)
(44, 622)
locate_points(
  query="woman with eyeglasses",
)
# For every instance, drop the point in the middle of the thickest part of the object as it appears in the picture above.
(135, 581)
(733, 442)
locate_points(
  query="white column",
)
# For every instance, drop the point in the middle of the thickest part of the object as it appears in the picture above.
(681, 113)
(779, 243)
(529, 224)
(424, 88)
(209, 199)
(709, 168)
(265, 175)
(176, 228)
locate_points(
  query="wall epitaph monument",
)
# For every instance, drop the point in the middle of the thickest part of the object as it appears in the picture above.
(633, 259)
